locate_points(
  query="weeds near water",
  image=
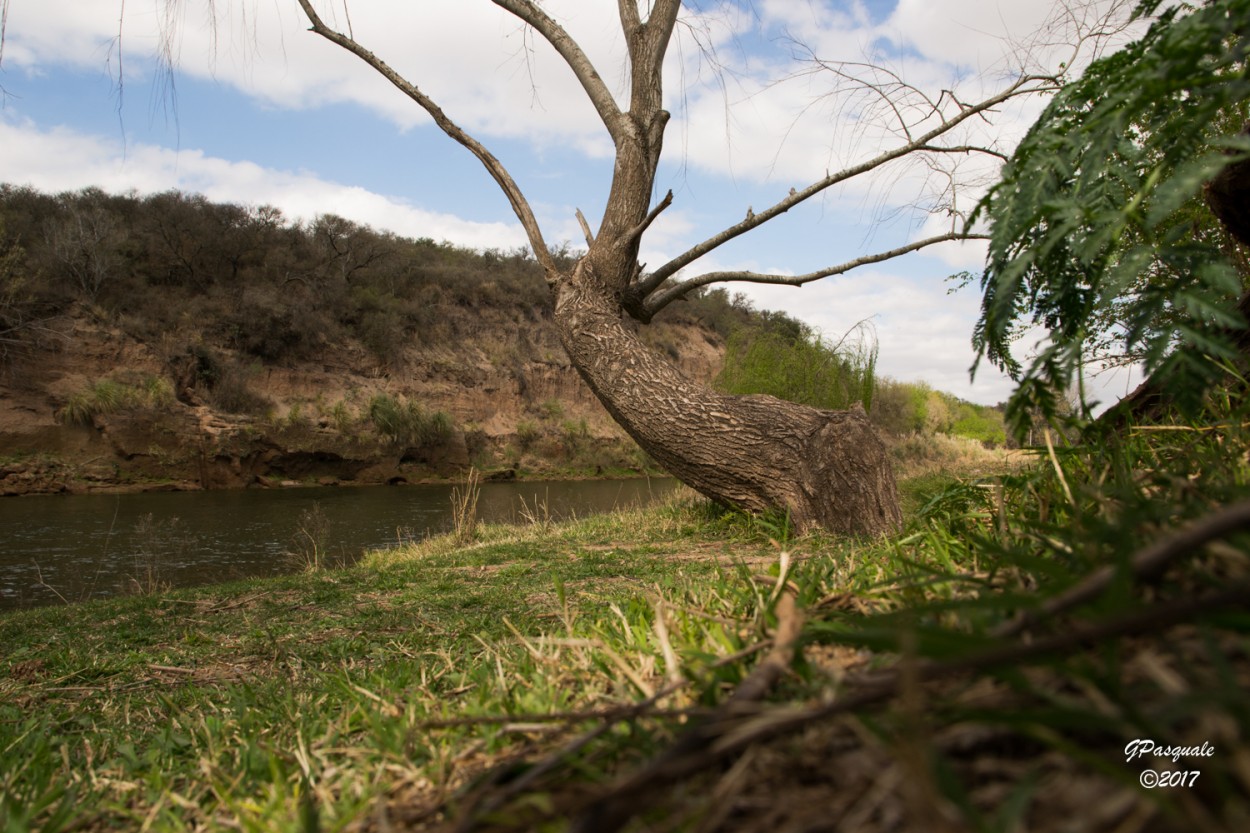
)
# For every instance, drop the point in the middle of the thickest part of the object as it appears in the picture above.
(464, 508)
(538, 515)
(310, 544)
(155, 541)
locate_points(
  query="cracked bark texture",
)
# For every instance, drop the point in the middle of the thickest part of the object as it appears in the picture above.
(825, 468)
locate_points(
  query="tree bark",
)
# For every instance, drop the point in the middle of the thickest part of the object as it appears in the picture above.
(826, 469)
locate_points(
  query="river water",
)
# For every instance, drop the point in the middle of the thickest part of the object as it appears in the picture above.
(70, 548)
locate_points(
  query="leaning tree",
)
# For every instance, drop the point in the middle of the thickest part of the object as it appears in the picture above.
(824, 468)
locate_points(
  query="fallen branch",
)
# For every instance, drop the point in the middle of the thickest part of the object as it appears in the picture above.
(1146, 564)
(734, 732)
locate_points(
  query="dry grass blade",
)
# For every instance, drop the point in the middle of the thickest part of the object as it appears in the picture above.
(1146, 563)
(734, 732)
(464, 507)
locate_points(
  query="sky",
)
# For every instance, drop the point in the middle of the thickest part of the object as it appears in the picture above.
(259, 111)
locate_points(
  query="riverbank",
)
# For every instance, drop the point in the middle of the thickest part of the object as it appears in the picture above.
(98, 406)
(515, 674)
(38, 474)
(69, 548)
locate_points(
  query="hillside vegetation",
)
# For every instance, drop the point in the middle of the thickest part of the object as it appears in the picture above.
(177, 342)
(166, 341)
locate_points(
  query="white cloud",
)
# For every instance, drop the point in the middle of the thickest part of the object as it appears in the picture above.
(487, 72)
(61, 159)
(498, 78)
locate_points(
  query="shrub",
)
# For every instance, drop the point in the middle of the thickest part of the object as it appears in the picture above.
(406, 423)
(526, 434)
(231, 391)
(342, 417)
(575, 435)
(799, 366)
(106, 396)
(899, 407)
(977, 422)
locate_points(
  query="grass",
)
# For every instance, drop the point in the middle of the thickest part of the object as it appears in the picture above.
(106, 396)
(222, 706)
(404, 422)
(512, 678)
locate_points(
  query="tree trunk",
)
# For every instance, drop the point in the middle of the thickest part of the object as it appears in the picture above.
(825, 468)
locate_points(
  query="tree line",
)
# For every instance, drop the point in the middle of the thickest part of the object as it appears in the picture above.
(248, 278)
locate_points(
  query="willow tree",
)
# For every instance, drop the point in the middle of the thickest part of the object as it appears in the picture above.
(825, 468)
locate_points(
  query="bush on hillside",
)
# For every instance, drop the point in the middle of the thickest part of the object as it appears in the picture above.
(106, 396)
(405, 423)
(904, 408)
(787, 359)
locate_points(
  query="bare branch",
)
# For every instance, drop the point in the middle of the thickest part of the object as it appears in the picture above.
(581, 219)
(1147, 563)
(1021, 86)
(637, 231)
(666, 296)
(965, 149)
(596, 90)
(494, 167)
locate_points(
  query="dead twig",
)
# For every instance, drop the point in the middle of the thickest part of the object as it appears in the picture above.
(735, 731)
(777, 662)
(1146, 564)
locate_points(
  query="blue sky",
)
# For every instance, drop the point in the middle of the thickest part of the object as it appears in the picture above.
(263, 112)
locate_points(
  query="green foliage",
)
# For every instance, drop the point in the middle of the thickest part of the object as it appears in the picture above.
(799, 366)
(977, 422)
(404, 422)
(913, 407)
(1096, 197)
(106, 396)
(527, 434)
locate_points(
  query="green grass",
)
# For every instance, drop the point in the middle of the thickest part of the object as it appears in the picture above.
(404, 422)
(229, 702)
(433, 676)
(106, 396)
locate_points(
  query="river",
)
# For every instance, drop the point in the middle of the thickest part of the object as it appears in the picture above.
(70, 548)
